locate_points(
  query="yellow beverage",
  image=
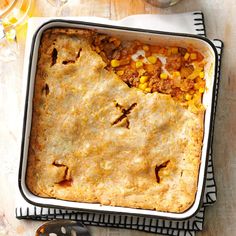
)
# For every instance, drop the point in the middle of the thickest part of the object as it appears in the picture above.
(14, 12)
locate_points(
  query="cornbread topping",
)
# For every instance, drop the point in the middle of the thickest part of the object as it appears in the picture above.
(116, 122)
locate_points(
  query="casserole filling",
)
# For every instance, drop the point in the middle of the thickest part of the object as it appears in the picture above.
(170, 70)
(116, 122)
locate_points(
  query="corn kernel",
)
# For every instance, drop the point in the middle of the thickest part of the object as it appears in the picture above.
(148, 90)
(201, 90)
(115, 63)
(186, 56)
(176, 73)
(143, 86)
(193, 56)
(143, 79)
(163, 76)
(188, 97)
(120, 72)
(174, 50)
(146, 48)
(138, 64)
(201, 75)
(152, 59)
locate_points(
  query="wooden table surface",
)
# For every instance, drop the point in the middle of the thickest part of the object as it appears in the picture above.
(220, 23)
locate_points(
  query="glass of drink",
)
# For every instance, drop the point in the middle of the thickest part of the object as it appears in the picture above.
(59, 4)
(13, 13)
(163, 3)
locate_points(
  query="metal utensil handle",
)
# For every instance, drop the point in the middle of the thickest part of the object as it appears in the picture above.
(62, 228)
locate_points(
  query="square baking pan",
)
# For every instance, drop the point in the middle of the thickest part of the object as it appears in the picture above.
(202, 44)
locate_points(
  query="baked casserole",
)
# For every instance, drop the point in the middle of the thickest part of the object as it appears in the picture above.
(116, 122)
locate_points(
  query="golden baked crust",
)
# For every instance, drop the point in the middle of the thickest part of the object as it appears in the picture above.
(94, 139)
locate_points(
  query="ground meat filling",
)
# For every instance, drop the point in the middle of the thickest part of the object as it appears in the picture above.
(171, 70)
(174, 62)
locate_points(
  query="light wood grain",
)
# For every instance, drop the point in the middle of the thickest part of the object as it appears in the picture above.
(220, 23)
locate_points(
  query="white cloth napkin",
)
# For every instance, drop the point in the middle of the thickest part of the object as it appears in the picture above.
(192, 22)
